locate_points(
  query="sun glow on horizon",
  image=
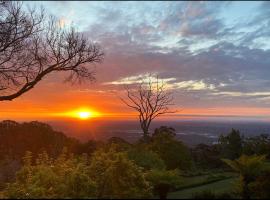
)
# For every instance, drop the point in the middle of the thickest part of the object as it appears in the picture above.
(84, 115)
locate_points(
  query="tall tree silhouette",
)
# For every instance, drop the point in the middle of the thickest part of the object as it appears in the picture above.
(33, 45)
(150, 99)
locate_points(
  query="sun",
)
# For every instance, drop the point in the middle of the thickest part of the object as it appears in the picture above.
(81, 114)
(84, 115)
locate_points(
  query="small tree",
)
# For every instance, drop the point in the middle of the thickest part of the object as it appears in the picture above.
(174, 153)
(150, 100)
(33, 46)
(231, 145)
(117, 177)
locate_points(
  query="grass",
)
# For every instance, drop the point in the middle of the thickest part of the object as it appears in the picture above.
(194, 181)
(217, 187)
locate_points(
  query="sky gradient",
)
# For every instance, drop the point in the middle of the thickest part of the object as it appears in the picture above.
(215, 56)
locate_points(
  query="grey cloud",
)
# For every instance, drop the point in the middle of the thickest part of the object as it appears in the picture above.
(230, 67)
(194, 19)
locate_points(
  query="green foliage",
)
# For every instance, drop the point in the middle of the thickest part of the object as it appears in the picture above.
(117, 176)
(259, 145)
(65, 177)
(118, 169)
(260, 187)
(207, 157)
(170, 177)
(231, 145)
(163, 181)
(249, 167)
(174, 153)
(146, 158)
(110, 175)
(121, 143)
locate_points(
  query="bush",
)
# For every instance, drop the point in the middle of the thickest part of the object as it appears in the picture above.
(65, 177)
(117, 177)
(146, 159)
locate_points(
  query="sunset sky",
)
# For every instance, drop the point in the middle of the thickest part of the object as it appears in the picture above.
(215, 56)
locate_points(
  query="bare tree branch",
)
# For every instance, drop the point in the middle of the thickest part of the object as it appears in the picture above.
(150, 99)
(33, 46)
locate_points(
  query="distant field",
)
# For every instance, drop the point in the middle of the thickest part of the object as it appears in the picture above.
(218, 187)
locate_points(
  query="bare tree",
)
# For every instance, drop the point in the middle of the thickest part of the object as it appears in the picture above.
(33, 46)
(150, 99)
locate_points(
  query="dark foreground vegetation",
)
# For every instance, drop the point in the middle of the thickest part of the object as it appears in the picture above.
(38, 162)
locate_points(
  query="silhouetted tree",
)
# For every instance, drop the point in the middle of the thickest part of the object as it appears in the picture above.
(150, 100)
(174, 153)
(33, 46)
(231, 145)
(34, 136)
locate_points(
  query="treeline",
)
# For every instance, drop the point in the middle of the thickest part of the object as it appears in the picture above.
(230, 146)
(16, 139)
(39, 162)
